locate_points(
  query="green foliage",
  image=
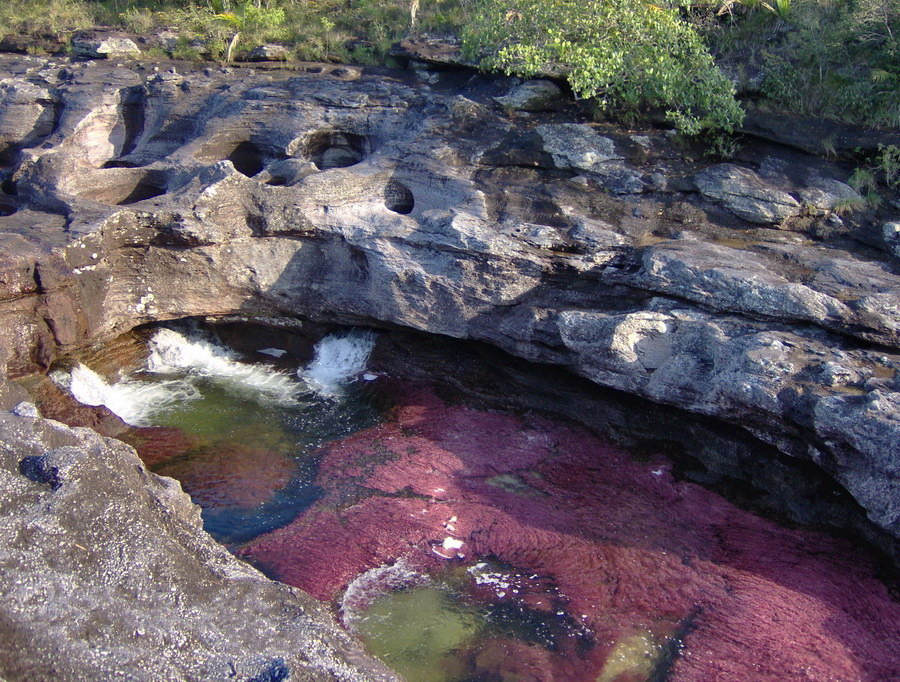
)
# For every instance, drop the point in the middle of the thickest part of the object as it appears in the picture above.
(626, 54)
(888, 164)
(45, 18)
(835, 58)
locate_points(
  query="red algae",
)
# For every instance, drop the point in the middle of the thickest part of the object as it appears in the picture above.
(617, 548)
(229, 475)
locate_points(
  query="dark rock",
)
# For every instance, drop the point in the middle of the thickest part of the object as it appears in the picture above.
(815, 134)
(38, 469)
(536, 95)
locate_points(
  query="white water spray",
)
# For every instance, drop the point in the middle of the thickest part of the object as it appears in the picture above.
(338, 359)
(174, 353)
(186, 359)
(134, 402)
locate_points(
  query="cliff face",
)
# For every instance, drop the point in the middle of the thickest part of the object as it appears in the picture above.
(414, 200)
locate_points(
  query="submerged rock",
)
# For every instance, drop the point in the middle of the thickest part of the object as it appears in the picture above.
(634, 557)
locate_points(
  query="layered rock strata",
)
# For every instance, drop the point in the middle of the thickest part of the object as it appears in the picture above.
(135, 194)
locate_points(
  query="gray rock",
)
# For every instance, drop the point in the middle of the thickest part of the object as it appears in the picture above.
(369, 200)
(745, 194)
(890, 233)
(577, 146)
(107, 46)
(536, 95)
(117, 568)
(270, 52)
(828, 193)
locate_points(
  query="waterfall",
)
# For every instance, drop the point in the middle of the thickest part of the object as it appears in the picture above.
(174, 353)
(135, 402)
(338, 359)
(183, 360)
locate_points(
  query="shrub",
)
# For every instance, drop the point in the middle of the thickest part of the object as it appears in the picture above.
(626, 54)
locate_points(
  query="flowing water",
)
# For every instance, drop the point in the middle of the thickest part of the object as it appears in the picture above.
(465, 544)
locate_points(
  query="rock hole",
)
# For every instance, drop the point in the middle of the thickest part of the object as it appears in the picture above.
(277, 181)
(7, 208)
(119, 163)
(143, 190)
(133, 119)
(9, 156)
(247, 159)
(333, 149)
(125, 187)
(398, 198)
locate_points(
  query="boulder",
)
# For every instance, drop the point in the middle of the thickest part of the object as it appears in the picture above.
(104, 46)
(536, 95)
(745, 194)
(108, 573)
(270, 52)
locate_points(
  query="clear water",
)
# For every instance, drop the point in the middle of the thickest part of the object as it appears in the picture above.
(248, 439)
(241, 420)
(223, 418)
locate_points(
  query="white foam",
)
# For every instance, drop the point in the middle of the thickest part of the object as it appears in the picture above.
(339, 358)
(172, 352)
(371, 584)
(134, 402)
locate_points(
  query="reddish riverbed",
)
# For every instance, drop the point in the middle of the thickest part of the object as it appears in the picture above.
(614, 549)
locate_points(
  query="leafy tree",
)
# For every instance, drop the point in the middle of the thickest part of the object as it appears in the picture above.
(626, 54)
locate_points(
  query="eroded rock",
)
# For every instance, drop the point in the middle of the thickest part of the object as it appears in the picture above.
(345, 196)
(745, 194)
(108, 573)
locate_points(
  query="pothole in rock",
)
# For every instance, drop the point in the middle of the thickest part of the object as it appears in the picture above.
(421, 487)
(398, 198)
(122, 187)
(335, 149)
(247, 159)
(7, 208)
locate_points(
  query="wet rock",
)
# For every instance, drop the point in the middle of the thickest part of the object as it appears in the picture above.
(536, 95)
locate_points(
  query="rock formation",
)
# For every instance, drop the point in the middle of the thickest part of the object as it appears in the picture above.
(412, 199)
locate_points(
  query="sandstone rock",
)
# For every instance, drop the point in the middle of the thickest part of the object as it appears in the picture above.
(116, 571)
(269, 52)
(104, 46)
(371, 200)
(827, 193)
(578, 147)
(536, 95)
(745, 194)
